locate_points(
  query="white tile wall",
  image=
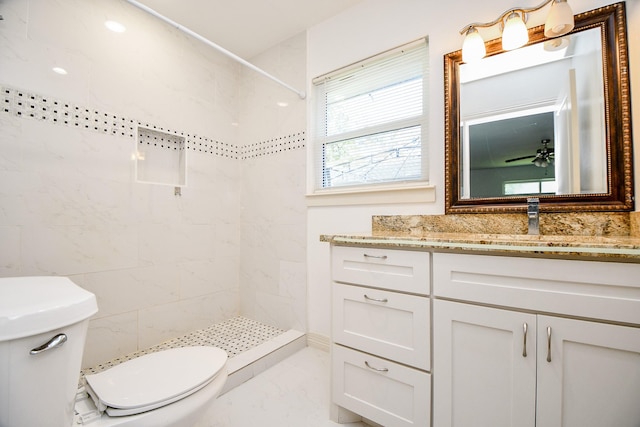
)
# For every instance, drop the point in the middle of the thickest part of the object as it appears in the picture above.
(160, 265)
(273, 235)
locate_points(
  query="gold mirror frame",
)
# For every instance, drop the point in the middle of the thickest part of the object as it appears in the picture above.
(619, 197)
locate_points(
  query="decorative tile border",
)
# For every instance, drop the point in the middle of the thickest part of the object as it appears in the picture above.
(30, 105)
(274, 146)
(25, 104)
(234, 336)
(157, 138)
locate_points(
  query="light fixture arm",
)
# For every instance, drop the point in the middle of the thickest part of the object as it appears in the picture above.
(522, 10)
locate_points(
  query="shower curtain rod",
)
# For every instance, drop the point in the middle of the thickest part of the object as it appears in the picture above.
(219, 48)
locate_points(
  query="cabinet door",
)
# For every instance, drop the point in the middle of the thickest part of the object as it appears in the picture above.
(484, 368)
(588, 374)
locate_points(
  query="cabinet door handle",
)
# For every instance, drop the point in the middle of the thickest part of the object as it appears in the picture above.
(367, 297)
(548, 343)
(374, 368)
(375, 256)
(525, 327)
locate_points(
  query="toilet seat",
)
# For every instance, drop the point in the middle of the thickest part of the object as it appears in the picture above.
(154, 380)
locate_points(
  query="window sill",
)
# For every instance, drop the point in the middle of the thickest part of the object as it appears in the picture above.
(417, 193)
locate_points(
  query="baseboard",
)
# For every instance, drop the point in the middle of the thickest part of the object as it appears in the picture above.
(318, 341)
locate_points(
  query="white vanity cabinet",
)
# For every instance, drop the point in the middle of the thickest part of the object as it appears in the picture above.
(562, 348)
(380, 351)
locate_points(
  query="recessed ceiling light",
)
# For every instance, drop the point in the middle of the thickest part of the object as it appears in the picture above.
(283, 104)
(114, 26)
(60, 70)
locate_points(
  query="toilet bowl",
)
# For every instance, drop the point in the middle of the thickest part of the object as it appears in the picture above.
(43, 326)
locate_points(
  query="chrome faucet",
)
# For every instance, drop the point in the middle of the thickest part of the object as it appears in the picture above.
(533, 213)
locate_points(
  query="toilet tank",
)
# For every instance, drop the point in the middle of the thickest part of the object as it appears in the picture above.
(43, 326)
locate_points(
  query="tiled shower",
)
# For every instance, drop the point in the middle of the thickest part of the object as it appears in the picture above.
(164, 259)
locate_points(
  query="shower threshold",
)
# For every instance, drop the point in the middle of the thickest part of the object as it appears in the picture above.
(252, 347)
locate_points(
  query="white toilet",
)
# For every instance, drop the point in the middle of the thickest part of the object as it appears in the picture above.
(43, 326)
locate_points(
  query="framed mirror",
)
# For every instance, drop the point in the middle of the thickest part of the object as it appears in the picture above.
(550, 120)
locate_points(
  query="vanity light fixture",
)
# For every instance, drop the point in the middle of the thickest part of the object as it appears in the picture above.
(514, 29)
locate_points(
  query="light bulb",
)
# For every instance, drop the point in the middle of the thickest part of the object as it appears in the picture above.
(473, 46)
(560, 20)
(515, 32)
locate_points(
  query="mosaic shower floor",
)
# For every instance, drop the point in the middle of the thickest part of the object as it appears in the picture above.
(251, 346)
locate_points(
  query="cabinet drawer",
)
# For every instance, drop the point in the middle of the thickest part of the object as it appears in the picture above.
(404, 271)
(382, 391)
(590, 289)
(388, 324)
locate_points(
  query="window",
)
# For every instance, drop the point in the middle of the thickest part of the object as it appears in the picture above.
(371, 120)
(543, 186)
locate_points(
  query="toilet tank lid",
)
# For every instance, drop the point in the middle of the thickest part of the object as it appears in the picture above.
(33, 305)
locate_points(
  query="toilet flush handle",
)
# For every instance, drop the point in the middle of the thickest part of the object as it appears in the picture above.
(54, 342)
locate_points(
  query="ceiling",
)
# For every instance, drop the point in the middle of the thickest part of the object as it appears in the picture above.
(493, 143)
(248, 27)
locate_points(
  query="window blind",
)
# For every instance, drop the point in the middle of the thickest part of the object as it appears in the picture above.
(370, 120)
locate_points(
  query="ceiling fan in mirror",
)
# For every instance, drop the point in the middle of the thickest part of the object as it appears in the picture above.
(544, 156)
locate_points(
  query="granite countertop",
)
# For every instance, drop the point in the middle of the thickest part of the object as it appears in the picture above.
(600, 248)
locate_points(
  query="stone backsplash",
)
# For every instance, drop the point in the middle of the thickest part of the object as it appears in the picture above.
(634, 220)
(610, 224)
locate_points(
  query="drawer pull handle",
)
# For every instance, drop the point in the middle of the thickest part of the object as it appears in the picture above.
(374, 368)
(375, 256)
(367, 297)
(548, 343)
(525, 327)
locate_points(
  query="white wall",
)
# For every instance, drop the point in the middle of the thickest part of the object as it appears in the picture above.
(160, 265)
(273, 216)
(370, 28)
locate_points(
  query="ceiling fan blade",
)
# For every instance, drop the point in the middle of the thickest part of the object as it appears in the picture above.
(519, 158)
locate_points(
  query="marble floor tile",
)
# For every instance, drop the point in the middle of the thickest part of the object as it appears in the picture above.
(292, 393)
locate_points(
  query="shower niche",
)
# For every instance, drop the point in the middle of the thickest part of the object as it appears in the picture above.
(161, 157)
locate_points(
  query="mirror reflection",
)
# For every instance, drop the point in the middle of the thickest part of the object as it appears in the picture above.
(532, 120)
